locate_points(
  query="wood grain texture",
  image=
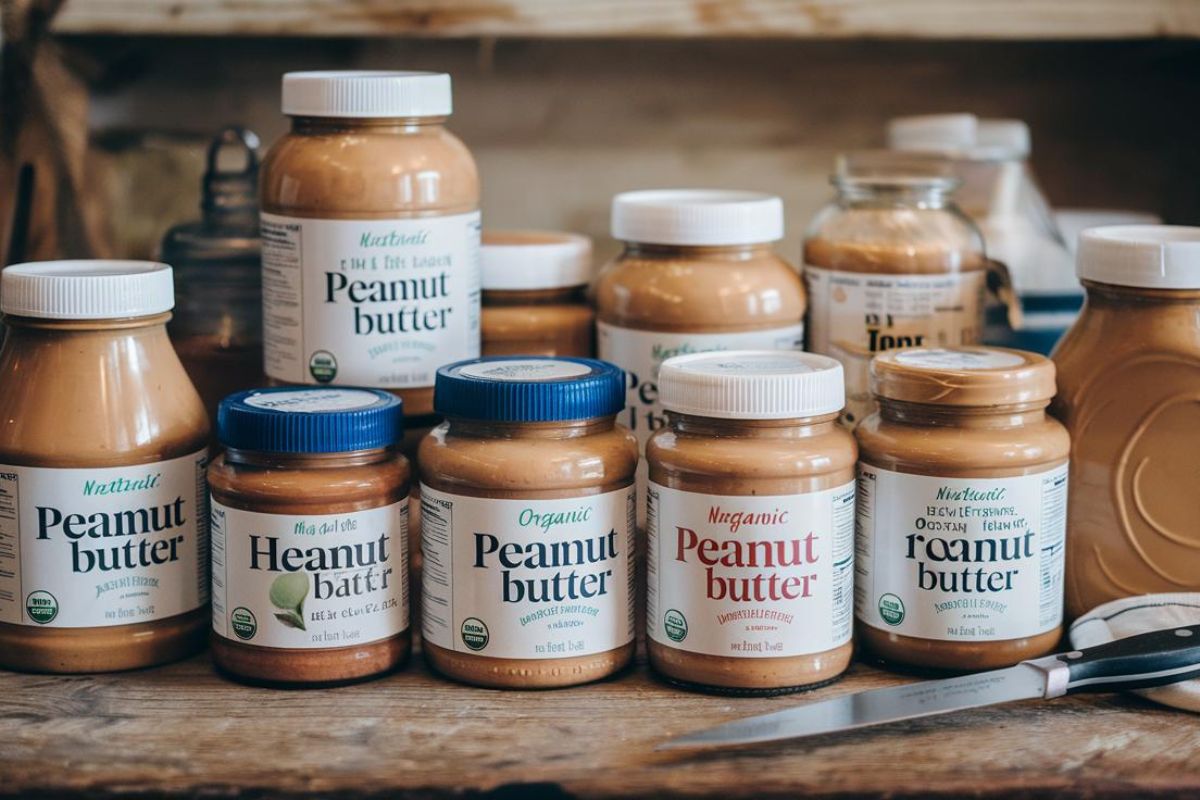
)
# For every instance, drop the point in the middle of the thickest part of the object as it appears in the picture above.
(984, 19)
(183, 731)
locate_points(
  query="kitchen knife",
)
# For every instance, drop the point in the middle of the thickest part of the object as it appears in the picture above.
(1136, 662)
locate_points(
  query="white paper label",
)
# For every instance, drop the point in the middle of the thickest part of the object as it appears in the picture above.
(89, 548)
(378, 303)
(750, 577)
(852, 316)
(528, 578)
(641, 353)
(299, 581)
(960, 559)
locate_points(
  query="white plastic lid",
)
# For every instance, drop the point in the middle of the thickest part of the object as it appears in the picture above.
(1144, 256)
(932, 132)
(366, 94)
(516, 260)
(752, 384)
(1007, 135)
(697, 217)
(96, 289)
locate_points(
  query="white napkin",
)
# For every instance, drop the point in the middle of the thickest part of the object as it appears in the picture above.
(1141, 614)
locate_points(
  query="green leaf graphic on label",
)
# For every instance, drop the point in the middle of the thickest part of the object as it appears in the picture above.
(287, 594)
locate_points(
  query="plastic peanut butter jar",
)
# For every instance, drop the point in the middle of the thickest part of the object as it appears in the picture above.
(962, 499)
(309, 536)
(750, 523)
(370, 235)
(103, 446)
(890, 263)
(534, 294)
(698, 273)
(527, 506)
(1129, 392)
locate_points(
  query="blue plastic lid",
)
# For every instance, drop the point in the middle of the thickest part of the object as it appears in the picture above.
(316, 420)
(529, 389)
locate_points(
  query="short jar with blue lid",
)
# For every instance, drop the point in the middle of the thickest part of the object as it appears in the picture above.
(310, 536)
(527, 507)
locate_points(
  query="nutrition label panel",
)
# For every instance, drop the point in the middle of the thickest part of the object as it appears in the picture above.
(10, 544)
(283, 286)
(1054, 547)
(437, 600)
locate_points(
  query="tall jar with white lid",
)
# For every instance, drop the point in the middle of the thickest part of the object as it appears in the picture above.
(103, 446)
(370, 228)
(1129, 392)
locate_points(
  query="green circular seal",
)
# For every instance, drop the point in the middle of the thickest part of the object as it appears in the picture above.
(322, 366)
(42, 607)
(243, 623)
(474, 633)
(675, 625)
(891, 608)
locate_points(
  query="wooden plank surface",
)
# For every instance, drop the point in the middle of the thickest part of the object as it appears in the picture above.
(971, 19)
(183, 731)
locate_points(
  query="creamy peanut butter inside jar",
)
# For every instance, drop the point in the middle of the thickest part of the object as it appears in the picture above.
(962, 499)
(534, 294)
(750, 523)
(527, 505)
(309, 536)
(1129, 392)
(103, 446)
(370, 235)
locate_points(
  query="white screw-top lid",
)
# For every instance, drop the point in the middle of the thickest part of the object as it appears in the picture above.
(366, 94)
(932, 132)
(697, 217)
(1010, 136)
(752, 384)
(96, 289)
(521, 260)
(1145, 256)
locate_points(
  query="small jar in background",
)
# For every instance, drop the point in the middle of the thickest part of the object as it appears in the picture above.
(750, 523)
(309, 537)
(534, 294)
(962, 499)
(527, 509)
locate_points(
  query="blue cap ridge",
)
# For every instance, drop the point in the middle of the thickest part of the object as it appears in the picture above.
(529, 389)
(289, 419)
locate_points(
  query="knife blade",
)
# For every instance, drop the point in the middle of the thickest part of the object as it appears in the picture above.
(1148, 659)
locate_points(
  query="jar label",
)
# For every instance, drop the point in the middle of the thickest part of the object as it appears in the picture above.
(852, 316)
(90, 548)
(380, 303)
(537, 579)
(300, 581)
(641, 353)
(745, 576)
(960, 559)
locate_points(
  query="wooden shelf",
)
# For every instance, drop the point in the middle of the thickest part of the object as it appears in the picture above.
(928, 19)
(182, 731)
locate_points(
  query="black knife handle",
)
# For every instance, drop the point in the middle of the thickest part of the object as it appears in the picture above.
(1135, 662)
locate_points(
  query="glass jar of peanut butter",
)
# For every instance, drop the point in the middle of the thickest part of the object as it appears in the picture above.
(1129, 385)
(534, 294)
(103, 446)
(309, 536)
(750, 523)
(892, 262)
(698, 273)
(962, 499)
(370, 235)
(527, 509)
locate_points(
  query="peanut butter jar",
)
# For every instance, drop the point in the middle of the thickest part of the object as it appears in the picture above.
(1129, 392)
(370, 235)
(962, 499)
(534, 294)
(309, 536)
(890, 263)
(698, 273)
(527, 508)
(103, 446)
(750, 523)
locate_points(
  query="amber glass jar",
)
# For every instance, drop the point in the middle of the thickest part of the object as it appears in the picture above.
(527, 506)
(309, 537)
(962, 496)
(1129, 379)
(750, 523)
(103, 445)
